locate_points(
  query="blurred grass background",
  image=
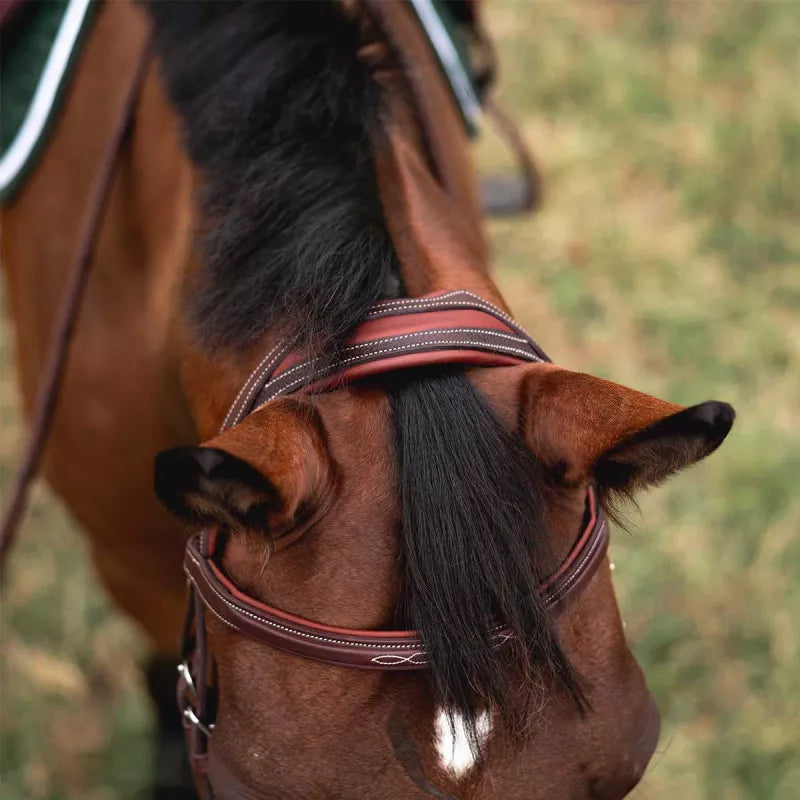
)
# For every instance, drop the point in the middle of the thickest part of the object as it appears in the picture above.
(666, 257)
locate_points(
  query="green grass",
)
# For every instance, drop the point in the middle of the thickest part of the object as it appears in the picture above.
(666, 257)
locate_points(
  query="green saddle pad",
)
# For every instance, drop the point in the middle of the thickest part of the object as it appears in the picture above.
(38, 48)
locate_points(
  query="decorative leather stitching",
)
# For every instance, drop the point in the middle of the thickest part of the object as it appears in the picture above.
(256, 381)
(561, 590)
(432, 305)
(251, 377)
(263, 377)
(385, 659)
(431, 302)
(433, 331)
(391, 659)
(263, 620)
(459, 342)
(435, 304)
(387, 339)
(397, 337)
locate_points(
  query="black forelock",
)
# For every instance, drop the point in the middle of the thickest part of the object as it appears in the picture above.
(475, 549)
(276, 110)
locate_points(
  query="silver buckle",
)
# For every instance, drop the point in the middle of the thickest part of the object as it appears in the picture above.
(188, 712)
(186, 674)
(190, 697)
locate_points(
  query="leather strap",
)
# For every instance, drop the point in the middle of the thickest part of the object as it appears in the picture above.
(53, 372)
(443, 327)
(363, 649)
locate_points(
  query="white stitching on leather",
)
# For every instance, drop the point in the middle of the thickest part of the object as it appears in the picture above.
(395, 349)
(389, 659)
(258, 372)
(265, 374)
(265, 621)
(208, 607)
(429, 331)
(246, 383)
(253, 383)
(417, 300)
(560, 591)
(426, 302)
(461, 342)
(423, 303)
(387, 339)
(398, 337)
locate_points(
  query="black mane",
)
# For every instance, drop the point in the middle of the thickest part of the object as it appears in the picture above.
(276, 111)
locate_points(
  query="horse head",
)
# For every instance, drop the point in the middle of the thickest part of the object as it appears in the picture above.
(433, 499)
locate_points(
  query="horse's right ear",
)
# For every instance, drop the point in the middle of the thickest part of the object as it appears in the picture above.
(264, 474)
(583, 428)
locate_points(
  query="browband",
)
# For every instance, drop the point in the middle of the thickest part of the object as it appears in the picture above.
(455, 327)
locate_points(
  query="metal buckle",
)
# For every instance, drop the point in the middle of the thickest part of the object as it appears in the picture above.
(190, 699)
(186, 674)
(189, 714)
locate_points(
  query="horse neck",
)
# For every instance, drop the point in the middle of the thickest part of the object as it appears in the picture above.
(437, 231)
(439, 244)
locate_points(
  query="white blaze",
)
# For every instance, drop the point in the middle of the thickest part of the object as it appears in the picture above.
(452, 742)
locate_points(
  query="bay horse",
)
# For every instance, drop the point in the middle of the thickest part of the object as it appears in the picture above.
(285, 174)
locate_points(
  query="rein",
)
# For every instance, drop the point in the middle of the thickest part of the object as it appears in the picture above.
(455, 327)
(53, 373)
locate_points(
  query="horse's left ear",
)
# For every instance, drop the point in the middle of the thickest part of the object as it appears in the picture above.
(263, 474)
(585, 428)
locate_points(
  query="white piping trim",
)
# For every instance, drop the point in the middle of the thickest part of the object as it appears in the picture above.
(55, 68)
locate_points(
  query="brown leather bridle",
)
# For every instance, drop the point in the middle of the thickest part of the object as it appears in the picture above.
(454, 327)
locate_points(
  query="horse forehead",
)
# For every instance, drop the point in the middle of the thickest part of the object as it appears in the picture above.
(356, 418)
(367, 405)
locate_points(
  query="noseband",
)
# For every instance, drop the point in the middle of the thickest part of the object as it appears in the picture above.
(445, 328)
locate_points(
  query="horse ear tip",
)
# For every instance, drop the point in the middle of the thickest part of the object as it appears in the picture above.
(717, 417)
(208, 458)
(174, 470)
(201, 459)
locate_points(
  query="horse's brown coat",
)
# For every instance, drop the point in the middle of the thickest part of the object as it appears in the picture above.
(137, 383)
(120, 402)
